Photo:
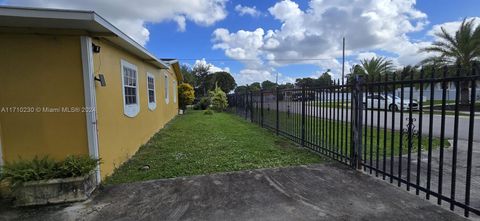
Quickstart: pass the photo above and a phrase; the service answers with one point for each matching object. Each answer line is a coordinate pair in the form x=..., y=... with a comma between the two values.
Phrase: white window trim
x=167, y=89
x=130, y=110
x=152, y=105
x=174, y=91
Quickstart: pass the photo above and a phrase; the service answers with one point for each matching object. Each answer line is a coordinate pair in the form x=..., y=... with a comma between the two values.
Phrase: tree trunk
x=464, y=93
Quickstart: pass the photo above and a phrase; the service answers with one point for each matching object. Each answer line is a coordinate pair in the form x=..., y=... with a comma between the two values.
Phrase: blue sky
x=255, y=40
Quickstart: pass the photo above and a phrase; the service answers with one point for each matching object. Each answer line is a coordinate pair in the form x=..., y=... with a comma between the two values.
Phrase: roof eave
x=86, y=16
x=100, y=20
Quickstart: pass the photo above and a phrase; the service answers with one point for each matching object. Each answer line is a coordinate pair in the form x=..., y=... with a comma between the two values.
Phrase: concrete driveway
x=317, y=192
x=460, y=175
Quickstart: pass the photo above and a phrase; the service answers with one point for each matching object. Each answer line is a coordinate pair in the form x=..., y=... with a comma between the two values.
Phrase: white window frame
x=167, y=90
x=130, y=110
x=151, y=105
x=174, y=91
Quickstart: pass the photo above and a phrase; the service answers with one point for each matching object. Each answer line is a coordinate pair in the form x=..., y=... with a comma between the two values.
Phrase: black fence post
x=357, y=109
x=251, y=106
x=470, y=138
x=261, y=108
x=277, y=123
x=245, y=106
x=303, y=116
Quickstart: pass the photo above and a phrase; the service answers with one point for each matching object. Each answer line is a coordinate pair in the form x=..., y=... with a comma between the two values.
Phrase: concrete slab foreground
x=316, y=192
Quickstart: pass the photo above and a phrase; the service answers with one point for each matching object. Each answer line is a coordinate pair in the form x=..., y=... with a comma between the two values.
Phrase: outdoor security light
x=101, y=79
x=95, y=48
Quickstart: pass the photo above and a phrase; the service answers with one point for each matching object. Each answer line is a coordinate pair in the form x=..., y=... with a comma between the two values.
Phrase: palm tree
x=462, y=48
x=375, y=67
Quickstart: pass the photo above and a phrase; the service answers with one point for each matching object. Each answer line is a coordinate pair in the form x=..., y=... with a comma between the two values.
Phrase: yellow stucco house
x=72, y=83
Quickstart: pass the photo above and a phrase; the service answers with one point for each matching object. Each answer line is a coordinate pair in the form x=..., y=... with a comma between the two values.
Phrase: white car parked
x=372, y=101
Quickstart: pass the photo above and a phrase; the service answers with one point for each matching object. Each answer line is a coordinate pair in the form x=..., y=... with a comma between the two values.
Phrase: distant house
x=72, y=83
x=450, y=91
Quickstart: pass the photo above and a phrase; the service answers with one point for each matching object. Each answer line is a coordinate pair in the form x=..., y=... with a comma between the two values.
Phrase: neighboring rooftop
x=88, y=21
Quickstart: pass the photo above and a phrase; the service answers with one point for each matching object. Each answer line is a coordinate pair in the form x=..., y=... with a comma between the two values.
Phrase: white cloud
x=366, y=55
x=213, y=68
x=132, y=16
x=252, y=75
x=245, y=10
x=316, y=34
x=451, y=27
x=247, y=76
x=242, y=45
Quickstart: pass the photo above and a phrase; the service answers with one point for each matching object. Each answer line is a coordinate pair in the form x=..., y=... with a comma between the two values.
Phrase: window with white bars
x=152, y=103
x=130, y=88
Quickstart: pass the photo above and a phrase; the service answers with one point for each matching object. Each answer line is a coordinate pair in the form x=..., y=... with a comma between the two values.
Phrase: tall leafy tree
x=285, y=86
x=461, y=48
x=268, y=85
x=188, y=76
x=240, y=89
x=305, y=82
x=224, y=80
x=201, y=72
x=324, y=80
x=255, y=86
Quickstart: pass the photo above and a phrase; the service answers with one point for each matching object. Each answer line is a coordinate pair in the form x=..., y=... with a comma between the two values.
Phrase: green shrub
x=203, y=104
x=218, y=99
x=208, y=112
x=74, y=166
x=47, y=168
x=186, y=95
x=28, y=170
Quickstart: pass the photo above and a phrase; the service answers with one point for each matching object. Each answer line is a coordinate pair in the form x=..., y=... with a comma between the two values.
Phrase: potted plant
x=42, y=181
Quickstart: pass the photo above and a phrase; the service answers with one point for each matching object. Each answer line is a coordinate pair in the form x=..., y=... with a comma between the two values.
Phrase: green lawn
x=195, y=143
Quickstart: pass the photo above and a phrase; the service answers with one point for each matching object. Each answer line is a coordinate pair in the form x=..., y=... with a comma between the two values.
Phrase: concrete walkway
x=317, y=192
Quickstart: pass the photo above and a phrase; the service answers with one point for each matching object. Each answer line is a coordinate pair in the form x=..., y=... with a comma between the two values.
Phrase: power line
x=276, y=59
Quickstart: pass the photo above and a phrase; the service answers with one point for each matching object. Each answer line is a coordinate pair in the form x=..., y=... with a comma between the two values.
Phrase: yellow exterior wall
x=119, y=136
x=41, y=71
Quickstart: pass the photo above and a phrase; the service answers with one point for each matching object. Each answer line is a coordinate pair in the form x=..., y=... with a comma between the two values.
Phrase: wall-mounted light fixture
x=95, y=48
x=101, y=79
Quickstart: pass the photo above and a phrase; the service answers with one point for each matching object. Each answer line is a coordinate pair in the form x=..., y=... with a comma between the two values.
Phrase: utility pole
x=343, y=62
x=276, y=79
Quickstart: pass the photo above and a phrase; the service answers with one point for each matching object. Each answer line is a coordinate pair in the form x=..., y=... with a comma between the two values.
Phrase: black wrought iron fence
x=382, y=127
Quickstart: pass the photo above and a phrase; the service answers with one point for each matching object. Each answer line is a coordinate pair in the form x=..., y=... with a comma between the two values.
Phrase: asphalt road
x=372, y=117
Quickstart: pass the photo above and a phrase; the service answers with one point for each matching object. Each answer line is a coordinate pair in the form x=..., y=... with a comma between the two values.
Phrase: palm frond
x=462, y=47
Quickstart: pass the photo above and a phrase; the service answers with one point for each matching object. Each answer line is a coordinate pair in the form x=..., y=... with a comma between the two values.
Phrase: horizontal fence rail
x=387, y=127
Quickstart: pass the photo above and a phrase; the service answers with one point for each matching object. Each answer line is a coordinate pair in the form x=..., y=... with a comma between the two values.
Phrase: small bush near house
x=186, y=95
x=74, y=166
x=208, y=112
x=219, y=99
x=47, y=168
x=203, y=104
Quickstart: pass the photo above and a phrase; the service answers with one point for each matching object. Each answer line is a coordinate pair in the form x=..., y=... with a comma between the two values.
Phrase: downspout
x=90, y=99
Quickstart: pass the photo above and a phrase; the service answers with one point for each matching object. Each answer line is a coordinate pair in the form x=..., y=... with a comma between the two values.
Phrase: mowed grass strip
x=336, y=135
x=194, y=144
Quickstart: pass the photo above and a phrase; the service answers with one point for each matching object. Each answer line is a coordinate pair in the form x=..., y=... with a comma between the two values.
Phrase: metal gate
x=421, y=141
